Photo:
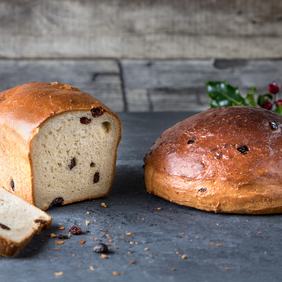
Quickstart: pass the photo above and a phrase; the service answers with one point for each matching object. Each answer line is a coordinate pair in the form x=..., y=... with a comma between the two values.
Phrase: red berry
x=75, y=230
x=267, y=105
x=278, y=102
x=273, y=88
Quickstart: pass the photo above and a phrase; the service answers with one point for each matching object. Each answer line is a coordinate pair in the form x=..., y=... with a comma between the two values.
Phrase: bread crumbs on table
x=59, y=242
x=158, y=209
x=183, y=257
x=215, y=244
x=52, y=235
x=58, y=273
x=91, y=268
x=146, y=249
x=104, y=256
x=132, y=262
x=82, y=242
x=103, y=205
x=87, y=222
x=129, y=234
x=116, y=273
x=61, y=227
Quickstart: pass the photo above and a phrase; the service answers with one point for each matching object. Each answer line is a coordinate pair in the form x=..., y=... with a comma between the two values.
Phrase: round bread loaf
x=222, y=160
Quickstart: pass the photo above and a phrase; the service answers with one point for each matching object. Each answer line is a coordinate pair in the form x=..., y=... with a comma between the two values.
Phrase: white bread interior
x=72, y=160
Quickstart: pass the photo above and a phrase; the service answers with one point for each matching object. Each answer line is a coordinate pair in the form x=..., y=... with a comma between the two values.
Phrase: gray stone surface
x=98, y=77
x=219, y=247
x=144, y=85
x=179, y=85
x=140, y=29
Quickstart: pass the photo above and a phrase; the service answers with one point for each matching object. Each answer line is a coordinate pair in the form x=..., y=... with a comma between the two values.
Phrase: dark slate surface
x=219, y=247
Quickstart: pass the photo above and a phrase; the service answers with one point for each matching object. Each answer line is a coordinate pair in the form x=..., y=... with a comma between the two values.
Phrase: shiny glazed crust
x=222, y=160
x=23, y=109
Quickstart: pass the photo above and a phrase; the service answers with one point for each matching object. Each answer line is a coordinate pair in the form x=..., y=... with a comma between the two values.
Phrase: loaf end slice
x=19, y=222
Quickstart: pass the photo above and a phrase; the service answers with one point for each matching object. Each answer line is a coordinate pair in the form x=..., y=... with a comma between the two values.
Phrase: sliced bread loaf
x=57, y=144
x=19, y=221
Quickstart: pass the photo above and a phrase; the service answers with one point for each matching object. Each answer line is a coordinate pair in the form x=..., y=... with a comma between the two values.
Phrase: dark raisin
x=12, y=184
x=72, y=163
x=96, y=112
x=202, y=189
x=92, y=164
x=96, y=177
x=57, y=202
x=243, y=149
x=39, y=220
x=273, y=125
x=218, y=155
x=75, y=230
x=190, y=141
x=63, y=236
x=101, y=248
x=5, y=227
x=85, y=120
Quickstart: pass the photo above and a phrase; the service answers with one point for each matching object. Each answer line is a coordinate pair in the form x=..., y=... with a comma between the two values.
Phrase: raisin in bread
x=19, y=222
x=58, y=145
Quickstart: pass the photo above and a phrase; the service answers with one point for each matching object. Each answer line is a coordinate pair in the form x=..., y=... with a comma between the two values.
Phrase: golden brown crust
x=24, y=108
x=30, y=104
x=222, y=160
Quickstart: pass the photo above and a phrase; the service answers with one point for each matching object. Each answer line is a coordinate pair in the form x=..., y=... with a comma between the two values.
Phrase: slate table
x=149, y=236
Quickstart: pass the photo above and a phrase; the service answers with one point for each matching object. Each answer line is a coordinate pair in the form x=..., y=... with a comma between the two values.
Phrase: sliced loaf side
x=73, y=158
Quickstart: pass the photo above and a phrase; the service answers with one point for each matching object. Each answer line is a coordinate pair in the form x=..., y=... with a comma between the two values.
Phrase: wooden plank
x=99, y=77
x=177, y=85
x=141, y=29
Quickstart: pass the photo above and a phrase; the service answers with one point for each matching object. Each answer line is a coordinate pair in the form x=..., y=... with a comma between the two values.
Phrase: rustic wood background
x=142, y=55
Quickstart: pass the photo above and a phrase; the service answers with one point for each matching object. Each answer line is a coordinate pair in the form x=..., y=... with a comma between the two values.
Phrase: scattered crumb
x=82, y=242
x=184, y=257
x=59, y=242
x=116, y=273
x=173, y=269
x=128, y=233
x=158, y=209
x=104, y=256
x=54, y=83
x=88, y=212
x=103, y=205
x=132, y=262
x=58, y=273
x=52, y=235
x=87, y=222
x=129, y=253
x=215, y=244
x=131, y=242
x=61, y=227
x=146, y=249
x=55, y=249
x=91, y=268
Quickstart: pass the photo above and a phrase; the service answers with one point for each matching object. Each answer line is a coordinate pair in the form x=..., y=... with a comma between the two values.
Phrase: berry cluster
x=269, y=101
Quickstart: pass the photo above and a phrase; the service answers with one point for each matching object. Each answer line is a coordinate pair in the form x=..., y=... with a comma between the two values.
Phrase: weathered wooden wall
x=140, y=28
x=144, y=85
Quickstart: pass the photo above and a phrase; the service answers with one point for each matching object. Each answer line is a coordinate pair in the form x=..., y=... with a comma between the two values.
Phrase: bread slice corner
x=19, y=222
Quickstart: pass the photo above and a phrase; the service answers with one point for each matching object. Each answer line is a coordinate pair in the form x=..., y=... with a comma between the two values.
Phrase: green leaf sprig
x=223, y=94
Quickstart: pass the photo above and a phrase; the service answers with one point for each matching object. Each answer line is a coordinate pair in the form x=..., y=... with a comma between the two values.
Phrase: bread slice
x=58, y=145
x=19, y=222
